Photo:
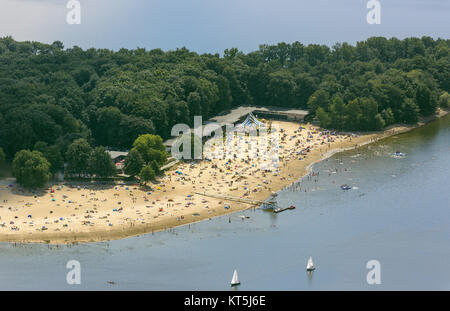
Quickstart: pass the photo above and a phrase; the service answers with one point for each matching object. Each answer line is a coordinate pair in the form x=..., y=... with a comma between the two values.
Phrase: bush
x=31, y=169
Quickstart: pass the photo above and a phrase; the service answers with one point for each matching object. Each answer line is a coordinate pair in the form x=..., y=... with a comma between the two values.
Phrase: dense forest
x=51, y=96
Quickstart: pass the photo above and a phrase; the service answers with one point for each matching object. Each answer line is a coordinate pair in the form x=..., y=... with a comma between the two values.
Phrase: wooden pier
x=279, y=210
x=236, y=199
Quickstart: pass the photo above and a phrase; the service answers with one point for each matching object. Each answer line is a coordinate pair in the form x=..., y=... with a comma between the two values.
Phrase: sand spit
x=66, y=214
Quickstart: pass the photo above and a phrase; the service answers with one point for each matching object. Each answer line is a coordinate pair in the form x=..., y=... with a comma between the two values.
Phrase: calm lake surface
x=398, y=213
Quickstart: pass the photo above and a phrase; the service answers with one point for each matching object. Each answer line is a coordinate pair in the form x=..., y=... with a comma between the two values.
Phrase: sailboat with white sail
x=310, y=265
x=235, y=279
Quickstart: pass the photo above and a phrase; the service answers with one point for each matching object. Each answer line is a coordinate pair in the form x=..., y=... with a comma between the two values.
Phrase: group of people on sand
x=240, y=174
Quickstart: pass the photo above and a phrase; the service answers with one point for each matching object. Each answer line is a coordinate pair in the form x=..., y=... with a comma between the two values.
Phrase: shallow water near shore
x=397, y=212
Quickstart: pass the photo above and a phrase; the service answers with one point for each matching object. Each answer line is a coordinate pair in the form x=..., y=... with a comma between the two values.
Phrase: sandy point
x=81, y=213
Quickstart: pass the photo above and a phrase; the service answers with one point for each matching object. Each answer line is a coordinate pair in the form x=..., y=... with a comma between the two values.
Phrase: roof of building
x=251, y=122
x=116, y=154
x=234, y=115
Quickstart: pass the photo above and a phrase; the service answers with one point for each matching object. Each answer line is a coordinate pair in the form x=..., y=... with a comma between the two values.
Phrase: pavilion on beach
x=251, y=122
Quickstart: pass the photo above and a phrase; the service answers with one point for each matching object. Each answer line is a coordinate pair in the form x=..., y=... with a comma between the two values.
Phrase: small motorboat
x=235, y=279
x=345, y=187
x=398, y=154
x=310, y=265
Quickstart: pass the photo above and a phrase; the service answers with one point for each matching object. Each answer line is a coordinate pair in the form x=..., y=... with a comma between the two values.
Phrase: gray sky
x=212, y=25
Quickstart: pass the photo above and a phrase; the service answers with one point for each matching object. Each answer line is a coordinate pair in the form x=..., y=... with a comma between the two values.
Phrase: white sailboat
x=235, y=279
x=310, y=265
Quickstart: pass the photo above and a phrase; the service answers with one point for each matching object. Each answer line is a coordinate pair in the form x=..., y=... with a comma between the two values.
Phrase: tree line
x=33, y=168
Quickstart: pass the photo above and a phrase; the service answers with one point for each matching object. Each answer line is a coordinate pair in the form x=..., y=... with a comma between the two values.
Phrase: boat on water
x=345, y=187
x=310, y=265
x=269, y=204
x=398, y=154
x=235, y=280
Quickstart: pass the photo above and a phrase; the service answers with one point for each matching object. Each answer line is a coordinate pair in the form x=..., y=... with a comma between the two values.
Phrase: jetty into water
x=236, y=199
x=282, y=209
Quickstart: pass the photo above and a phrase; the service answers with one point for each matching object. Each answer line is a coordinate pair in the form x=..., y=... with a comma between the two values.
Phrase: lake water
x=398, y=213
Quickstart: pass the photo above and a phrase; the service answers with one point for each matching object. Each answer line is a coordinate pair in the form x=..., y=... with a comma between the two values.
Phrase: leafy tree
x=78, y=156
x=133, y=163
x=379, y=122
x=444, y=100
x=388, y=116
x=157, y=155
x=305, y=87
x=195, y=103
x=130, y=128
x=280, y=89
x=101, y=164
x=410, y=111
x=426, y=100
x=354, y=115
x=155, y=167
x=54, y=157
x=323, y=117
x=320, y=98
x=108, y=121
x=369, y=110
x=337, y=113
x=52, y=154
x=31, y=169
x=151, y=148
x=147, y=174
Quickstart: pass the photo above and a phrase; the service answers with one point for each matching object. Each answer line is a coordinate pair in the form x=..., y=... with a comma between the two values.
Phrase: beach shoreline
x=290, y=172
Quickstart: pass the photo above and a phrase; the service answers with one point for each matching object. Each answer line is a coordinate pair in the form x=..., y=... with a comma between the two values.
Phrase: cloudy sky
x=214, y=25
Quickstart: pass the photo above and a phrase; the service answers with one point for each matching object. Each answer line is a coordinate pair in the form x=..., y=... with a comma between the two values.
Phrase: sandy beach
x=69, y=213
